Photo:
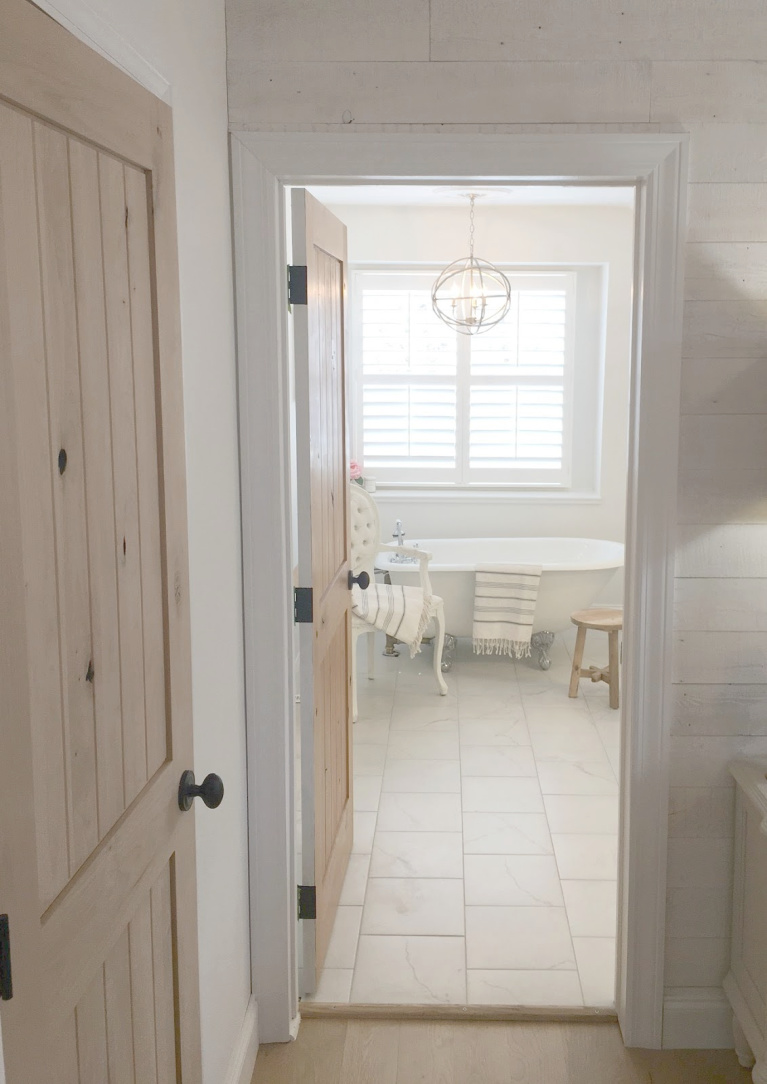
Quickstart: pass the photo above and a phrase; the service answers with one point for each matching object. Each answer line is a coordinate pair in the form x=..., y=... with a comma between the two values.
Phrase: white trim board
x=696, y=1019
x=93, y=29
x=656, y=164
x=243, y=1060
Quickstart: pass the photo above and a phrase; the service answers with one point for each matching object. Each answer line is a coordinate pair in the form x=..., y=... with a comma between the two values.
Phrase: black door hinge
x=6, y=980
x=307, y=901
x=297, y=284
x=303, y=605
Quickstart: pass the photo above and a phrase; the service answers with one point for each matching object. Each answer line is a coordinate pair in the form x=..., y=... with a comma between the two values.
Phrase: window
x=434, y=406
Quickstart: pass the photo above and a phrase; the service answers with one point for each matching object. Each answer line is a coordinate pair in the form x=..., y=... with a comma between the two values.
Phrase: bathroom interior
x=484, y=868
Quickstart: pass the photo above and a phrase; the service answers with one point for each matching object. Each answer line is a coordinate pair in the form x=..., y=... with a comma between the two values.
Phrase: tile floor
x=485, y=854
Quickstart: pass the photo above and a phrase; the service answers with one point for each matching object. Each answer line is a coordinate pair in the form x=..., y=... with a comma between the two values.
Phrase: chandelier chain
x=472, y=197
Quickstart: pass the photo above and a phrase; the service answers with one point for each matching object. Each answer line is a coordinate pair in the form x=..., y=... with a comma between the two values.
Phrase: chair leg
x=355, y=640
x=438, y=644
x=371, y=642
x=614, y=666
x=575, y=677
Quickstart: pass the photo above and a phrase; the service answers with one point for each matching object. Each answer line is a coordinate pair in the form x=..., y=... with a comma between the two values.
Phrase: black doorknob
x=363, y=580
x=211, y=790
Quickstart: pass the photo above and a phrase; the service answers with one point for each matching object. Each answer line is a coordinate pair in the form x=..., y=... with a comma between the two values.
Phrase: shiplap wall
x=484, y=65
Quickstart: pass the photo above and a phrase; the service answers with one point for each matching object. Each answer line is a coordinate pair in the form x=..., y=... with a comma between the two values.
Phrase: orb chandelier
x=471, y=295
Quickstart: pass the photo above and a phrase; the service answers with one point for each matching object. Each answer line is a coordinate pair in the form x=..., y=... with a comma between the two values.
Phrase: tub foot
x=390, y=651
x=541, y=642
x=448, y=652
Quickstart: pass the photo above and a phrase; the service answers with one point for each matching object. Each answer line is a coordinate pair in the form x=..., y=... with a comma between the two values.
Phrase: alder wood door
x=97, y=868
x=319, y=243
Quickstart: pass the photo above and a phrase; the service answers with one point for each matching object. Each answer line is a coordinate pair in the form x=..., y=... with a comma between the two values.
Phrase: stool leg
x=575, y=677
x=614, y=667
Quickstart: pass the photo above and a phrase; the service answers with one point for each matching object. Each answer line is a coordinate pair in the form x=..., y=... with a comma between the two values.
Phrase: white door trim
x=263, y=164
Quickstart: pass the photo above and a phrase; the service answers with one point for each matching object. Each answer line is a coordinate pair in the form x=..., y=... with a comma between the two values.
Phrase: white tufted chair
x=365, y=536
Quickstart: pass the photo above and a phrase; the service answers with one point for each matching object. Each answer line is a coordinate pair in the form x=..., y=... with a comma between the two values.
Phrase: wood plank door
x=319, y=244
x=97, y=867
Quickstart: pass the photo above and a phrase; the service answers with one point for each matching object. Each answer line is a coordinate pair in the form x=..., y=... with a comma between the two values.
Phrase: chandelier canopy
x=471, y=295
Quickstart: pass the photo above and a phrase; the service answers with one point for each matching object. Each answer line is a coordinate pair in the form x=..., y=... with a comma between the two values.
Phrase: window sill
x=417, y=495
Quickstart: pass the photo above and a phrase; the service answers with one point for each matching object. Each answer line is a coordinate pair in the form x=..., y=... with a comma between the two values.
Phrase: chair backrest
x=364, y=530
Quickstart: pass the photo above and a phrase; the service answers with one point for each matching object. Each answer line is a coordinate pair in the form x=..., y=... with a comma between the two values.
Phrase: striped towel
x=401, y=612
x=504, y=606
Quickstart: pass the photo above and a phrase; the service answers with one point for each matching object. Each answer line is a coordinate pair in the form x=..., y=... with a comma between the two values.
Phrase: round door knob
x=211, y=790
x=363, y=580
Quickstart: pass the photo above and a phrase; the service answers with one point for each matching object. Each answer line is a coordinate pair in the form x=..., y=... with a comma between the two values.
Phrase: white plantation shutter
x=433, y=406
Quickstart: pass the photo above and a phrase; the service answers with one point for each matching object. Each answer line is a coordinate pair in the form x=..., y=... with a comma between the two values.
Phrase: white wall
x=527, y=235
x=445, y=65
x=184, y=41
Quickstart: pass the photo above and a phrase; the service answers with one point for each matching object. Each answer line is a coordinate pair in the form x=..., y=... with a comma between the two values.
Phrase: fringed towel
x=401, y=612
x=504, y=607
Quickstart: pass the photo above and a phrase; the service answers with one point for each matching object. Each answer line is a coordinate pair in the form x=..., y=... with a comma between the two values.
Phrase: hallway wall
x=487, y=66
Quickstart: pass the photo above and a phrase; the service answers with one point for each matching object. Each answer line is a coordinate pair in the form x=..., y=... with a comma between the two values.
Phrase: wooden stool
x=611, y=622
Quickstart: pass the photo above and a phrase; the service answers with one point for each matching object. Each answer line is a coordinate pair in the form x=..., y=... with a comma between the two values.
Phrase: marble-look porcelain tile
x=367, y=793
x=417, y=854
x=591, y=907
x=420, y=813
x=404, y=746
x=334, y=987
x=412, y=905
x=364, y=828
x=372, y=732
x=583, y=777
x=410, y=971
x=551, y=692
x=494, y=732
x=596, y=968
x=538, y=989
x=498, y=760
x=595, y=814
x=512, y=880
x=422, y=776
x=369, y=759
x=356, y=880
x=499, y=795
x=506, y=833
x=504, y=706
x=586, y=857
x=518, y=938
x=554, y=719
x=413, y=713
x=568, y=743
x=405, y=723
x=343, y=940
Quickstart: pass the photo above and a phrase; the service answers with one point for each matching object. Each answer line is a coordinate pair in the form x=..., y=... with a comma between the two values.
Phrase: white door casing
x=264, y=164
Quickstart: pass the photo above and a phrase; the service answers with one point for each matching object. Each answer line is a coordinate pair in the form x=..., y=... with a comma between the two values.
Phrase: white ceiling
x=429, y=195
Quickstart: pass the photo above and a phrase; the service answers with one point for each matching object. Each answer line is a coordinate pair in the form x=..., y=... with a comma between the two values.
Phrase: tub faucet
x=398, y=533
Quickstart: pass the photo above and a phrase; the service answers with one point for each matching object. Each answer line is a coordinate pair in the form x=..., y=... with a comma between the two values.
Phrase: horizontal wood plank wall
x=699, y=65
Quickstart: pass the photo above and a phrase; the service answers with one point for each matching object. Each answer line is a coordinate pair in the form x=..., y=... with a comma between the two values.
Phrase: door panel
x=319, y=241
x=96, y=859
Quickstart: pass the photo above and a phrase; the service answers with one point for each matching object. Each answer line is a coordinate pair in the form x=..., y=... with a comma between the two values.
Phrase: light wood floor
x=384, y=1052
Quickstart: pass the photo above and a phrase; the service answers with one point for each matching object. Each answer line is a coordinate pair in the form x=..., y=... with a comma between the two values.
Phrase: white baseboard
x=696, y=1019
x=243, y=1061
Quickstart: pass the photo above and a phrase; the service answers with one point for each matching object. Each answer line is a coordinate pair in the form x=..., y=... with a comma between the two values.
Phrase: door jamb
x=263, y=164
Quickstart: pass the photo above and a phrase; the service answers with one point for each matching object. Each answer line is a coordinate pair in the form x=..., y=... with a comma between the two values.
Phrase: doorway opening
x=264, y=165
x=484, y=863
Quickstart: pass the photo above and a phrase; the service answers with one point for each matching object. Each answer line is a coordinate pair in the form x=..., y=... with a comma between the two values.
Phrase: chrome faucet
x=398, y=533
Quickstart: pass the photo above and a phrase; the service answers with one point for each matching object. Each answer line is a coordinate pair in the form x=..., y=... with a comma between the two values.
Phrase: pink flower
x=355, y=470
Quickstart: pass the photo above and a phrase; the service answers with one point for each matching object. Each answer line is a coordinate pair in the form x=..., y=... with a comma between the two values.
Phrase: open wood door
x=97, y=875
x=319, y=245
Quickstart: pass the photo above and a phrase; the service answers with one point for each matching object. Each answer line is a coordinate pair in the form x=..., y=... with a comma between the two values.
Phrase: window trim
x=511, y=480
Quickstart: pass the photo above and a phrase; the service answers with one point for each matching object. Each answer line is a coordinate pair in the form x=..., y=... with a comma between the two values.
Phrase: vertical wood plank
x=92, y=1033
x=119, y=1012
x=123, y=416
x=62, y=1058
x=26, y=347
x=164, y=992
x=99, y=496
x=144, y=376
x=142, y=994
x=64, y=397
